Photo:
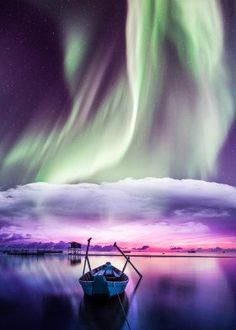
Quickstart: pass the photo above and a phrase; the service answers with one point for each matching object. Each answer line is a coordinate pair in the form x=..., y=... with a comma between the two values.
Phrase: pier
x=26, y=252
x=74, y=249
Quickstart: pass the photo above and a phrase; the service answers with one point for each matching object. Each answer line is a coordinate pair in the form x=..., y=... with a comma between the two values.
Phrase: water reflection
x=100, y=314
x=174, y=286
x=58, y=312
x=44, y=293
x=74, y=259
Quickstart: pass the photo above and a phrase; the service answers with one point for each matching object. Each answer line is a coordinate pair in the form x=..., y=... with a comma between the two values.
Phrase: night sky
x=100, y=91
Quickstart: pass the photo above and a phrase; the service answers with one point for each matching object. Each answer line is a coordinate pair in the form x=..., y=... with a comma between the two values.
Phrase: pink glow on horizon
x=158, y=236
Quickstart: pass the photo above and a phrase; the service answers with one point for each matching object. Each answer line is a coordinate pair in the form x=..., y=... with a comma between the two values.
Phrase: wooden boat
x=106, y=279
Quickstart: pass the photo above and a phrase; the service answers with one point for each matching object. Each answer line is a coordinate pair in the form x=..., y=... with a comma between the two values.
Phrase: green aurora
x=167, y=114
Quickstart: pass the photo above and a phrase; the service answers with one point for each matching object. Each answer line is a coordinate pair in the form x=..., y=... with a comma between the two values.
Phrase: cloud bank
x=152, y=209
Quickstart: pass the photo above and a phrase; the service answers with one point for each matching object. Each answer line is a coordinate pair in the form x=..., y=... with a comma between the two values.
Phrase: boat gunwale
x=108, y=280
x=116, y=280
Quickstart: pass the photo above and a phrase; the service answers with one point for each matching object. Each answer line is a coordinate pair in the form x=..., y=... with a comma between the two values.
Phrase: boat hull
x=100, y=286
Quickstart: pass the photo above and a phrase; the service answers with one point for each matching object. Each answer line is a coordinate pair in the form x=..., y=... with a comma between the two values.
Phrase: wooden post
x=128, y=259
x=86, y=257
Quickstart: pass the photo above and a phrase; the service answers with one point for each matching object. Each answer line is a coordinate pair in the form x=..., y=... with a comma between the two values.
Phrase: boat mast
x=86, y=257
x=127, y=261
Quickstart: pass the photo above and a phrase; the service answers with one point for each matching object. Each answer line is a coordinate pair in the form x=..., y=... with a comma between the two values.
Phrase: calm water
x=175, y=293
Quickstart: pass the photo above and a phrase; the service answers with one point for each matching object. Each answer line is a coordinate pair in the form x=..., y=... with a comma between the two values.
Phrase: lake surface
x=175, y=293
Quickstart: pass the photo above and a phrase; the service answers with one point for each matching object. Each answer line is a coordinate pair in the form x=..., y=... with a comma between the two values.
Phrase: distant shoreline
x=166, y=255
x=157, y=255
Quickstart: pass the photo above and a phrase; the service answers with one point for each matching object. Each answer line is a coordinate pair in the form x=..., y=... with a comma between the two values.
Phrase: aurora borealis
x=145, y=92
x=101, y=91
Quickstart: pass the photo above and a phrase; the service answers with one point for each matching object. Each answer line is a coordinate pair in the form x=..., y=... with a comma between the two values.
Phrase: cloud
x=105, y=248
x=148, y=197
x=4, y=223
x=127, y=208
x=202, y=213
x=11, y=237
x=143, y=248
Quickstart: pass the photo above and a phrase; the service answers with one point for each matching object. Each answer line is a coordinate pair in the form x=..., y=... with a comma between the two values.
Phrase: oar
x=128, y=260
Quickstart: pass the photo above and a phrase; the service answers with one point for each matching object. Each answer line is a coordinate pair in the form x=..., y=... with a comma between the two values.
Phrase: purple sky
x=154, y=212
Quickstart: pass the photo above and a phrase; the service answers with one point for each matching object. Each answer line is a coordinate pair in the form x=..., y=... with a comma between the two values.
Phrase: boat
x=105, y=280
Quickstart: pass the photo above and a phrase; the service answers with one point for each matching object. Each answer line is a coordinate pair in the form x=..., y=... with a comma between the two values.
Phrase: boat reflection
x=110, y=313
